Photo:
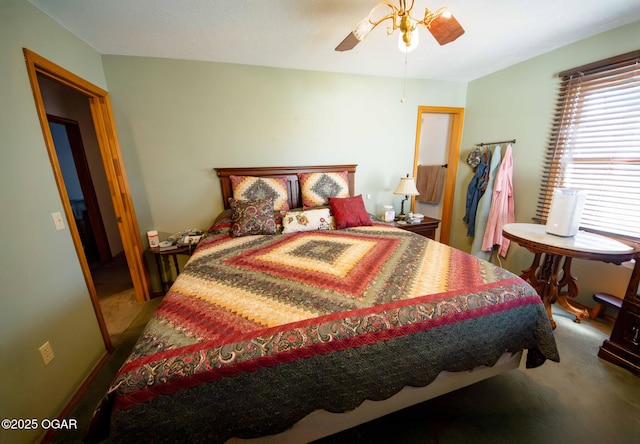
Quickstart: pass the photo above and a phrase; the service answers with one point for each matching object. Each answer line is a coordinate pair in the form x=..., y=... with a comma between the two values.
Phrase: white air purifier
x=566, y=211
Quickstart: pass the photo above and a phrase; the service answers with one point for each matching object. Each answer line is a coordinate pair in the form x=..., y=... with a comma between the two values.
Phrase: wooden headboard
x=291, y=173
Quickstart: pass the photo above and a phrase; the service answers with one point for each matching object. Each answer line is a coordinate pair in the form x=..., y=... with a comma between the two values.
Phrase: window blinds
x=595, y=144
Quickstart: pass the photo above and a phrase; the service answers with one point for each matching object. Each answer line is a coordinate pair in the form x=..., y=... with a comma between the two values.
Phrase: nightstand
x=165, y=282
x=426, y=228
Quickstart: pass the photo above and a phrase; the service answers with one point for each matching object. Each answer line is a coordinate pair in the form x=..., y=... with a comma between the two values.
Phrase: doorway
x=438, y=137
x=109, y=270
x=101, y=118
x=76, y=173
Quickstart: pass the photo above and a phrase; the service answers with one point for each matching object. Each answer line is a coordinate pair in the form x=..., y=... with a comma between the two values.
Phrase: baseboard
x=77, y=395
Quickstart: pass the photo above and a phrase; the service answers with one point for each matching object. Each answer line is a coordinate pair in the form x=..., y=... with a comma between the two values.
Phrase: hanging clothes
x=430, y=183
x=502, y=209
x=484, y=205
x=475, y=190
x=473, y=159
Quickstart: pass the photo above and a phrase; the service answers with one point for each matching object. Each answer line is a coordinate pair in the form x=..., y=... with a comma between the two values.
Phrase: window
x=595, y=144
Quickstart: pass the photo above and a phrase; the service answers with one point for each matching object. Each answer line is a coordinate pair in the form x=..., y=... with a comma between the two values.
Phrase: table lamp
x=406, y=187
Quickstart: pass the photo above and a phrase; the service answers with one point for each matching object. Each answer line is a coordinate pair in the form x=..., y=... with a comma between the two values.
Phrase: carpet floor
x=117, y=297
x=581, y=399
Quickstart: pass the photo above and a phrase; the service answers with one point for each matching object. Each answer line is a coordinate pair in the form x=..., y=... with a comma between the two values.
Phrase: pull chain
x=404, y=87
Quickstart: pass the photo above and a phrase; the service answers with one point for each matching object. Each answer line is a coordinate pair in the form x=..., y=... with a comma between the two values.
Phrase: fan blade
x=362, y=29
x=348, y=43
x=445, y=30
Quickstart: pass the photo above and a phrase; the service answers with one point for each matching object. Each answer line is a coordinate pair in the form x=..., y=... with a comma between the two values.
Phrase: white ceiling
x=302, y=34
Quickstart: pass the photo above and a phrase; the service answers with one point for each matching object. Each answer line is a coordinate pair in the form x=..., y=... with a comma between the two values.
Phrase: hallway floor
x=117, y=297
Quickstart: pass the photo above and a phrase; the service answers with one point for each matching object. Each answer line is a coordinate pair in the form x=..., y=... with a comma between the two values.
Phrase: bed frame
x=321, y=423
x=291, y=173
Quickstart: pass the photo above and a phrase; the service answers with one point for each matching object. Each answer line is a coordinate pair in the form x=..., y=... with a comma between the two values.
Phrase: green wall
x=517, y=103
x=177, y=120
x=42, y=289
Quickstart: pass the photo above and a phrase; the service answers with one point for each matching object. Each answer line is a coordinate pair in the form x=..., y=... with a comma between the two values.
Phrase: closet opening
x=438, y=137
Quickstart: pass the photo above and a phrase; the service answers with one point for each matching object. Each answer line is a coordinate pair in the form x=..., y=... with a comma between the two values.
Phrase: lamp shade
x=414, y=40
x=406, y=187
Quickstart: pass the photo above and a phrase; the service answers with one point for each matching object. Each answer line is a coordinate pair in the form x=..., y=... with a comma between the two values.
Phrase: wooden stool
x=603, y=300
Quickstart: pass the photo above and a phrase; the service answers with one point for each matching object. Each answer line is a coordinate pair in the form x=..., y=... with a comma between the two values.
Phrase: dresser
x=623, y=347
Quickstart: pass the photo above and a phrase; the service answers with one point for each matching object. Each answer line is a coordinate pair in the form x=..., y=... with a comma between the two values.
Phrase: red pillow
x=349, y=212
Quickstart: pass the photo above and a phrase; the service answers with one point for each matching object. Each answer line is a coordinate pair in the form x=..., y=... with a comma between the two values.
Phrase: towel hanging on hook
x=430, y=183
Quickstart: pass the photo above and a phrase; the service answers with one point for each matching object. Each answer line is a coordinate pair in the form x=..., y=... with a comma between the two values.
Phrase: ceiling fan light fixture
x=442, y=25
x=406, y=42
x=413, y=41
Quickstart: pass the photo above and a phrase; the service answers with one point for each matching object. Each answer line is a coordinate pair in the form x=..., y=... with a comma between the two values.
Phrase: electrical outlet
x=57, y=220
x=47, y=352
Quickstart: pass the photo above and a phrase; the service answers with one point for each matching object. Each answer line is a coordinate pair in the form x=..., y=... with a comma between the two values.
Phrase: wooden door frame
x=457, y=117
x=102, y=115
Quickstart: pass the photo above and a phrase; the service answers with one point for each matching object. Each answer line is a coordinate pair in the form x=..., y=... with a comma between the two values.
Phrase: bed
x=298, y=334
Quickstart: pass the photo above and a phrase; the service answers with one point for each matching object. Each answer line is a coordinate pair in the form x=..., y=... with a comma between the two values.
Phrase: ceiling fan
x=442, y=25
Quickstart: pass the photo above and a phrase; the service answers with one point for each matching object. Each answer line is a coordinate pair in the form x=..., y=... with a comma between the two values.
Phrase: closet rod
x=495, y=143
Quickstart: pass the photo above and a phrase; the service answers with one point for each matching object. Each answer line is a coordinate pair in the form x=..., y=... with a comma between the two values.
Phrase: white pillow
x=307, y=220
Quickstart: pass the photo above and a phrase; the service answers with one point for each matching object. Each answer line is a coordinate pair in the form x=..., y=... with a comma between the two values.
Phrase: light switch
x=57, y=220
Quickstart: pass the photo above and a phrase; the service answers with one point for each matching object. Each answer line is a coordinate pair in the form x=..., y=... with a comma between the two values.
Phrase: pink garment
x=502, y=206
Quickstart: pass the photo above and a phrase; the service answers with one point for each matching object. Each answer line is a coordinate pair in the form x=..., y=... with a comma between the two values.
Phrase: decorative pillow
x=349, y=212
x=257, y=188
x=252, y=217
x=309, y=220
x=316, y=188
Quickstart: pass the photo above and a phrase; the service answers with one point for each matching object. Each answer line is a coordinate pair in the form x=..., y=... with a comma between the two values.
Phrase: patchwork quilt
x=259, y=331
